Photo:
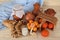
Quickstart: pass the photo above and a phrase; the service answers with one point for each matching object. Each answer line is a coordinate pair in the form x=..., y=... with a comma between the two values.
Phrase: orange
x=51, y=25
x=28, y=24
x=44, y=25
x=45, y=33
x=32, y=25
x=35, y=29
x=29, y=27
x=30, y=21
x=38, y=26
x=36, y=23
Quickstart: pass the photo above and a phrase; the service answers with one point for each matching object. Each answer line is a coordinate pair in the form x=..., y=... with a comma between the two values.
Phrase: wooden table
x=54, y=35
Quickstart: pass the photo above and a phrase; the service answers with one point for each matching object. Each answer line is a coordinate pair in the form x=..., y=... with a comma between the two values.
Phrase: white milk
x=24, y=31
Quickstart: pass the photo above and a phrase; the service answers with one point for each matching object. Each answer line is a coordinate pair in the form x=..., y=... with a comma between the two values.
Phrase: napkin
x=6, y=9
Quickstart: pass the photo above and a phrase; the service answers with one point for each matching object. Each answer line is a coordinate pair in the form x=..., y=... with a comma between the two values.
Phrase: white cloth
x=6, y=8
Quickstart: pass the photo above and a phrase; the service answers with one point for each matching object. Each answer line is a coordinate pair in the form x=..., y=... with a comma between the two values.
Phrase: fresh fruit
x=28, y=24
x=35, y=29
x=45, y=33
x=30, y=21
x=44, y=25
x=33, y=24
x=38, y=26
x=29, y=27
x=36, y=23
x=50, y=26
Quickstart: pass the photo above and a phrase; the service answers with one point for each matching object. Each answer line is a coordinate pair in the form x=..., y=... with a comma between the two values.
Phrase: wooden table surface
x=54, y=35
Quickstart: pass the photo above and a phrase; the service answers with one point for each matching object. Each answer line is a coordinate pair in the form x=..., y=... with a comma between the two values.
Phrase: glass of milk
x=25, y=31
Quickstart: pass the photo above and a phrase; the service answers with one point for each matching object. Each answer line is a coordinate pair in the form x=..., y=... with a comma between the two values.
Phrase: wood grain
x=54, y=35
x=52, y=2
